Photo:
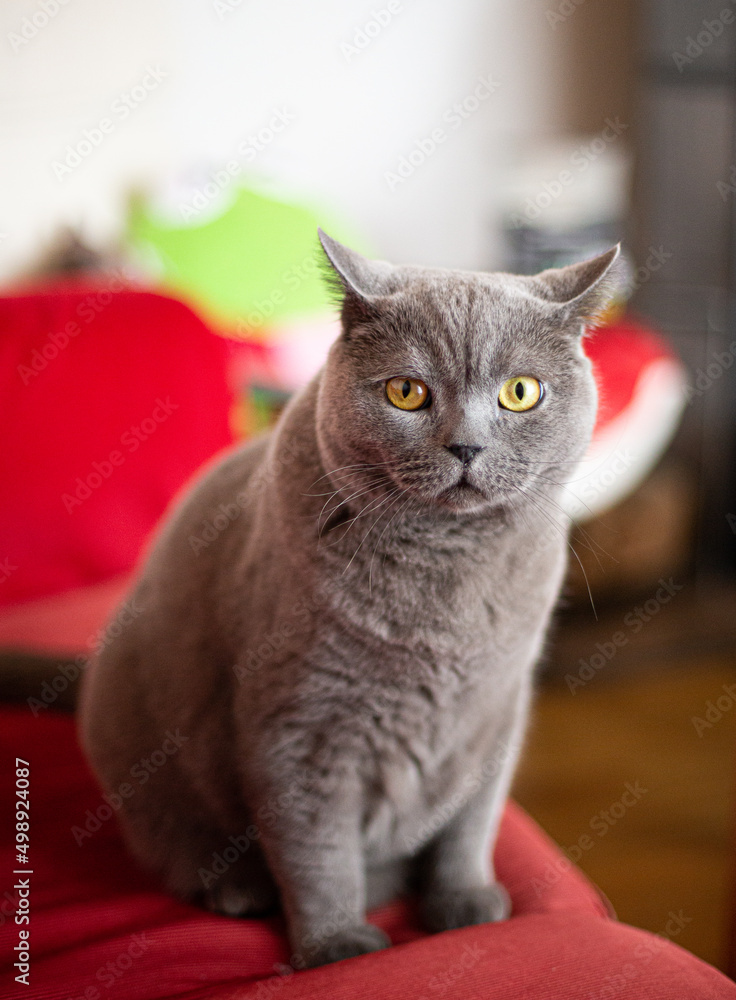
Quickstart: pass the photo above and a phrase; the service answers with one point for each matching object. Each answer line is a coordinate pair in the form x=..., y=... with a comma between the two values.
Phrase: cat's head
x=464, y=390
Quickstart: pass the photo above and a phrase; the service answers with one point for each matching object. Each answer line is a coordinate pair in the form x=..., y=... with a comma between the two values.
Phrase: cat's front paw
x=448, y=909
x=346, y=943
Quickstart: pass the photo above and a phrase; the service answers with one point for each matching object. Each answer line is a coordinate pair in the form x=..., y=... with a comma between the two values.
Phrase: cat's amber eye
x=520, y=393
x=407, y=393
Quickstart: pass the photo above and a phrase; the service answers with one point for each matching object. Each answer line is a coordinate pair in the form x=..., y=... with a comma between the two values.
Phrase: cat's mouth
x=463, y=493
x=464, y=483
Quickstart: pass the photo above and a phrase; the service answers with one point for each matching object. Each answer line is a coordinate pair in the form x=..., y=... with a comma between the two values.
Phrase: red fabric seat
x=100, y=927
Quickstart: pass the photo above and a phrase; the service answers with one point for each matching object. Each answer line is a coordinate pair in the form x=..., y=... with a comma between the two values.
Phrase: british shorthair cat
x=344, y=663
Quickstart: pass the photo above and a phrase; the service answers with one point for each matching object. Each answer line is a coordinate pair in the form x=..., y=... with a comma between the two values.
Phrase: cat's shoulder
x=229, y=472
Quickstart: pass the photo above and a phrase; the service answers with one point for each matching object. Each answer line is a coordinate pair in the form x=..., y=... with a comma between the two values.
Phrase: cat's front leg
x=457, y=880
x=315, y=855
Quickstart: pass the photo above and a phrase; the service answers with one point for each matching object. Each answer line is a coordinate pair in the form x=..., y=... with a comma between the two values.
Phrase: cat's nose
x=465, y=452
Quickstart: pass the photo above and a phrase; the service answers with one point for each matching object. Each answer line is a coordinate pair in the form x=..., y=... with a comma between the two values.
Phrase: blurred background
x=165, y=168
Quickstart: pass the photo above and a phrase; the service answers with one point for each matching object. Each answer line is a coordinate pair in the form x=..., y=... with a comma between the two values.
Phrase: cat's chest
x=422, y=767
x=463, y=623
x=469, y=648
x=456, y=592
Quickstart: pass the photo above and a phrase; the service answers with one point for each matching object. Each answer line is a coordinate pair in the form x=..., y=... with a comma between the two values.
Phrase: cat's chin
x=464, y=498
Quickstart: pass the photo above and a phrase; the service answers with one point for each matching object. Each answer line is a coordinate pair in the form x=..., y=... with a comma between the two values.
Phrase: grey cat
x=322, y=700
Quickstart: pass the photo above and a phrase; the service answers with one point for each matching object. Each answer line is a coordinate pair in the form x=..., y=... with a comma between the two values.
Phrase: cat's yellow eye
x=520, y=393
x=407, y=393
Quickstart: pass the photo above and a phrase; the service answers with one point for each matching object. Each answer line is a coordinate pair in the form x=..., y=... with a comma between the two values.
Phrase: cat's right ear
x=582, y=291
x=354, y=280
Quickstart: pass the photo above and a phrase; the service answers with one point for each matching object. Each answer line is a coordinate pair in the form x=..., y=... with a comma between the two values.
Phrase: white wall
x=229, y=65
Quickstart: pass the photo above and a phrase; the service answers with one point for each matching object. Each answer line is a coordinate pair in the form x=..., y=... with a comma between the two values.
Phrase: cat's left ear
x=353, y=275
x=582, y=290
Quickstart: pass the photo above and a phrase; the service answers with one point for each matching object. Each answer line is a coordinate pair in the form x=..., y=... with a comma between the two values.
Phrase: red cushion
x=109, y=400
x=620, y=353
x=63, y=624
x=100, y=925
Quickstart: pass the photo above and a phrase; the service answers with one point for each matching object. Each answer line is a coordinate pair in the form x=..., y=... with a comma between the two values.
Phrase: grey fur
x=341, y=634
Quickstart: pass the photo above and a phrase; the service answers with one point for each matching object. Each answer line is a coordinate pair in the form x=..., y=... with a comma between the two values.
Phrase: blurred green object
x=252, y=267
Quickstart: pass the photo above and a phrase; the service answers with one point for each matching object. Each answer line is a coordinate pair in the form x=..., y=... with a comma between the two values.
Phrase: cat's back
x=138, y=678
x=178, y=581
x=222, y=495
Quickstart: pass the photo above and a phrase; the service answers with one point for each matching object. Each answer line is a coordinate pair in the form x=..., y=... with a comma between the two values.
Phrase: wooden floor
x=669, y=847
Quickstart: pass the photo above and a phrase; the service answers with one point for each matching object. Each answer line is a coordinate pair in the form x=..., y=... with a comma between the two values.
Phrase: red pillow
x=620, y=353
x=110, y=399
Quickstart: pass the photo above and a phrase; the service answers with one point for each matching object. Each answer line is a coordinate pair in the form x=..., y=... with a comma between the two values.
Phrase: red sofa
x=97, y=923
x=80, y=497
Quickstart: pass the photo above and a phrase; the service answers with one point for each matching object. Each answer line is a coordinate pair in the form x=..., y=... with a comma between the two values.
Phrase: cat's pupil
x=519, y=390
x=406, y=388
